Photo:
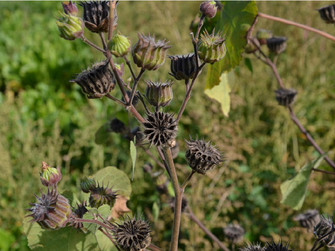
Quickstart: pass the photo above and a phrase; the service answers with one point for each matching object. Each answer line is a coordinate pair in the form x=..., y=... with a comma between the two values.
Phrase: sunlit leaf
x=294, y=190
x=133, y=156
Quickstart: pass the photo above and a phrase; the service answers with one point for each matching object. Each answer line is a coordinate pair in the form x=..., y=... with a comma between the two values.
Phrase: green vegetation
x=43, y=117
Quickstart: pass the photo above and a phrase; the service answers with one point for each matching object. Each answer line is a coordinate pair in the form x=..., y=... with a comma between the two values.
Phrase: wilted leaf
x=120, y=207
x=294, y=190
x=235, y=16
x=133, y=156
x=221, y=92
x=114, y=178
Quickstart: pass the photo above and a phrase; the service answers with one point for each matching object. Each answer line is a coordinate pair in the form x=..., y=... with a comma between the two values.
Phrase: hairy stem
x=85, y=40
x=305, y=27
x=94, y=222
x=209, y=233
x=119, y=102
x=177, y=201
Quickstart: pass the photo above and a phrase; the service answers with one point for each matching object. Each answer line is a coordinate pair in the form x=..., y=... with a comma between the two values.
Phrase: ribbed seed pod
x=160, y=129
x=70, y=27
x=100, y=195
x=276, y=44
x=324, y=231
x=96, y=15
x=234, y=233
x=183, y=66
x=132, y=234
x=211, y=48
x=50, y=176
x=208, y=8
x=148, y=54
x=272, y=246
x=252, y=247
x=97, y=81
x=308, y=219
x=119, y=45
x=286, y=97
x=262, y=35
x=159, y=94
x=202, y=156
x=327, y=13
x=51, y=211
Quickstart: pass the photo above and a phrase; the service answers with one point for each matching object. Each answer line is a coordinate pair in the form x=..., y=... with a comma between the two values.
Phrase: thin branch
x=111, y=19
x=119, y=102
x=209, y=233
x=136, y=81
x=154, y=248
x=323, y=171
x=309, y=137
x=305, y=27
x=94, y=222
x=85, y=40
x=182, y=188
x=153, y=157
x=200, y=24
x=104, y=44
x=129, y=66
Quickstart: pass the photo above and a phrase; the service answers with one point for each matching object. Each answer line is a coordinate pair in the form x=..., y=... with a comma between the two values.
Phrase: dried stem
x=209, y=233
x=177, y=201
x=323, y=171
x=182, y=188
x=119, y=102
x=305, y=27
x=85, y=40
x=136, y=81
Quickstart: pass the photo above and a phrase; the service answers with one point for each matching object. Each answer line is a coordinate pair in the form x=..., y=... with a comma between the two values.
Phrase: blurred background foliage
x=43, y=117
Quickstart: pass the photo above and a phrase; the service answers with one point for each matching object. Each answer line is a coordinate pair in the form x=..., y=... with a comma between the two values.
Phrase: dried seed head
x=119, y=45
x=159, y=94
x=160, y=129
x=252, y=247
x=117, y=126
x=70, y=27
x=183, y=66
x=50, y=176
x=234, y=233
x=78, y=212
x=286, y=97
x=87, y=185
x=132, y=234
x=308, y=219
x=327, y=13
x=184, y=204
x=276, y=44
x=324, y=232
x=208, y=8
x=96, y=81
x=148, y=54
x=101, y=195
x=262, y=35
x=202, y=156
x=211, y=48
x=51, y=211
x=96, y=15
x=277, y=246
x=70, y=8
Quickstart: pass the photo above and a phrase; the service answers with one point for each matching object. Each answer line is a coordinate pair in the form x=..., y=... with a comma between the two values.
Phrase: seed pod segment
x=211, y=48
x=159, y=94
x=183, y=66
x=70, y=27
x=327, y=13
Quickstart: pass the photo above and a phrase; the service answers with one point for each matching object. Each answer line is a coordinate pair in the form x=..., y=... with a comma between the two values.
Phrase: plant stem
x=136, y=81
x=94, y=222
x=153, y=157
x=309, y=137
x=154, y=248
x=104, y=44
x=119, y=102
x=200, y=24
x=111, y=19
x=164, y=161
x=323, y=171
x=129, y=66
x=85, y=40
x=209, y=233
x=177, y=201
x=305, y=27
x=182, y=188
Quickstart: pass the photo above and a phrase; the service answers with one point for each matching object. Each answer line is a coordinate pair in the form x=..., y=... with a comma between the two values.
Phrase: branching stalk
x=85, y=40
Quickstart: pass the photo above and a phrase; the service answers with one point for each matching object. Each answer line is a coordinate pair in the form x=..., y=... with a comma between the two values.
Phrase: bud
x=211, y=48
x=132, y=234
x=51, y=211
x=50, y=176
x=276, y=246
x=308, y=219
x=208, y=8
x=119, y=45
x=87, y=185
x=262, y=35
x=286, y=97
x=183, y=66
x=234, y=233
x=276, y=44
x=252, y=247
x=159, y=94
x=327, y=13
x=97, y=81
x=101, y=195
x=251, y=47
x=70, y=8
x=96, y=15
x=148, y=54
x=70, y=27
x=202, y=156
x=160, y=128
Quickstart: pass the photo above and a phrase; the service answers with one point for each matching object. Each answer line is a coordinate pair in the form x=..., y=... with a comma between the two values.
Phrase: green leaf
x=133, y=156
x=235, y=16
x=155, y=211
x=114, y=177
x=294, y=190
x=103, y=136
x=104, y=211
x=65, y=239
x=221, y=92
x=248, y=64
